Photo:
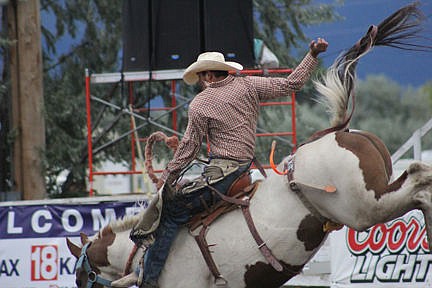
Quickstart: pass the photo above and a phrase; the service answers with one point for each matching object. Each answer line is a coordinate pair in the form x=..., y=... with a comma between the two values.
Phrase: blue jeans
x=175, y=213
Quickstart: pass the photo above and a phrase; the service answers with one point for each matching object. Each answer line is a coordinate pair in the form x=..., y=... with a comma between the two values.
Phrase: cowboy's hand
x=318, y=46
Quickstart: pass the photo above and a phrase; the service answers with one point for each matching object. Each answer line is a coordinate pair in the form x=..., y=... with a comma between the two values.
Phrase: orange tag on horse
x=330, y=189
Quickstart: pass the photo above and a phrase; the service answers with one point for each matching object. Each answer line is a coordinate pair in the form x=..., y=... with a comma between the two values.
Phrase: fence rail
x=414, y=141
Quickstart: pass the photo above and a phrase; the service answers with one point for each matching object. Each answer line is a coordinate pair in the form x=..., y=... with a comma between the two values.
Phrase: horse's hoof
x=126, y=281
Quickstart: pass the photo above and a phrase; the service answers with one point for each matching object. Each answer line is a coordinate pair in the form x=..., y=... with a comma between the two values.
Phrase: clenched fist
x=318, y=46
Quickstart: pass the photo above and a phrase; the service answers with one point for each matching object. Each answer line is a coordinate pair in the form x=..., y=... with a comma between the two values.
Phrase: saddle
x=240, y=187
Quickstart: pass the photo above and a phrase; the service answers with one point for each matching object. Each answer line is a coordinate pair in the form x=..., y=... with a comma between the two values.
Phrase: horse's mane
x=124, y=223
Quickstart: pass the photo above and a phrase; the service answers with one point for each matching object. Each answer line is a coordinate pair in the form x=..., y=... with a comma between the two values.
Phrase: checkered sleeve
x=269, y=88
x=189, y=145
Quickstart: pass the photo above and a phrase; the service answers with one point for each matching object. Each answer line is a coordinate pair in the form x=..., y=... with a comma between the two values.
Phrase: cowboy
x=226, y=113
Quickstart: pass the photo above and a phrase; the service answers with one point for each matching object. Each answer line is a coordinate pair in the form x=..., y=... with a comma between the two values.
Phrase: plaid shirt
x=227, y=112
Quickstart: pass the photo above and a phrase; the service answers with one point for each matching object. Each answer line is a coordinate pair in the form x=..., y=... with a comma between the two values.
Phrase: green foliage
x=5, y=134
x=426, y=89
x=95, y=28
x=5, y=149
x=279, y=24
x=310, y=118
x=390, y=111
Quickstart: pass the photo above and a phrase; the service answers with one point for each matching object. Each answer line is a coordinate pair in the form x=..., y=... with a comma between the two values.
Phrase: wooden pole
x=24, y=28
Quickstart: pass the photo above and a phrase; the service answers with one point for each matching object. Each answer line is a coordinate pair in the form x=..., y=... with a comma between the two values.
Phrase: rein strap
x=93, y=277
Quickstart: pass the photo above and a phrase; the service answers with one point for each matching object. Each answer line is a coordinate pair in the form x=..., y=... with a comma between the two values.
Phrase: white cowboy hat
x=208, y=61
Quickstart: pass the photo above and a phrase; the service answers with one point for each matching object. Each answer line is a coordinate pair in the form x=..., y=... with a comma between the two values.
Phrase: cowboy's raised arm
x=275, y=87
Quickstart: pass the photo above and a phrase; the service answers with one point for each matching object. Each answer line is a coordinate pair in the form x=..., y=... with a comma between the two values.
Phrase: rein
x=93, y=277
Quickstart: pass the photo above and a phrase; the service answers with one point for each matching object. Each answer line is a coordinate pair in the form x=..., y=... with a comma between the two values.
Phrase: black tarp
x=169, y=34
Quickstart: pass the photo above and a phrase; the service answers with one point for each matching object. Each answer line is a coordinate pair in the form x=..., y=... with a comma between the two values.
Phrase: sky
x=408, y=68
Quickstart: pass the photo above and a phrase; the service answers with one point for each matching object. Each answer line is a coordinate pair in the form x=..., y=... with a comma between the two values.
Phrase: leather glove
x=318, y=46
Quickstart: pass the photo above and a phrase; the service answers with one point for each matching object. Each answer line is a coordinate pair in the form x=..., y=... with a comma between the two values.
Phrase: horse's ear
x=74, y=249
x=84, y=238
x=107, y=230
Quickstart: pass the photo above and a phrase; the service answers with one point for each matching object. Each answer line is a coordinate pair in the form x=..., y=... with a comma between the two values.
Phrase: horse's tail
x=337, y=86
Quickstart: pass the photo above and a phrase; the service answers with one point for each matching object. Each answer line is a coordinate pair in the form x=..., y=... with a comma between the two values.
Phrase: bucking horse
x=339, y=176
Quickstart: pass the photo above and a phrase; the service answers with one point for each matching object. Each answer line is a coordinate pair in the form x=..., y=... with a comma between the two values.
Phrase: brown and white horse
x=289, y=211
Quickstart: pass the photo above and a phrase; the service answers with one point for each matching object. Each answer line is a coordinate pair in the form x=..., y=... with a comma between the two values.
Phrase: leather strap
x=297, y=189
x=204, y=247
x=93, y=278
x=128, y=266
x=232, y=200
x=259, y=167
x=262, y=246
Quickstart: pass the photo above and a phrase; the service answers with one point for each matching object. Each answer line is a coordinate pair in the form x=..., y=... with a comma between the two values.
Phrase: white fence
x=415, y=142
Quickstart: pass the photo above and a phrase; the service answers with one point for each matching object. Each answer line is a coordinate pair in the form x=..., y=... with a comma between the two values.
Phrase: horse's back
x=345, y=159
x=379, y=146
x=374, y=157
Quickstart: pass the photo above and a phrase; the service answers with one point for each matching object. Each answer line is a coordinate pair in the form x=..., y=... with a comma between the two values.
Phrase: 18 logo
x=44, y=262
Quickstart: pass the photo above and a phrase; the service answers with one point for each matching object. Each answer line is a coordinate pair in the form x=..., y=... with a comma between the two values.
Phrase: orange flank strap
x=272, y=164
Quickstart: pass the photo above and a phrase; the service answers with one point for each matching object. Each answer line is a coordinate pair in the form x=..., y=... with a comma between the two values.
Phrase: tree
x=94, y=28
x=73, y=159
x=390, y=111
x=427, y=90
x=280, y=24
x=5, y=151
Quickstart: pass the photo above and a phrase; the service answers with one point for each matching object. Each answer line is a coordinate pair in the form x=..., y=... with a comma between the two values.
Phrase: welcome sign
x=33, y=250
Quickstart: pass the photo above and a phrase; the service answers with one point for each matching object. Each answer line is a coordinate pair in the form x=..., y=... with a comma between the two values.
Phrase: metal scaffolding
x=130, y=78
